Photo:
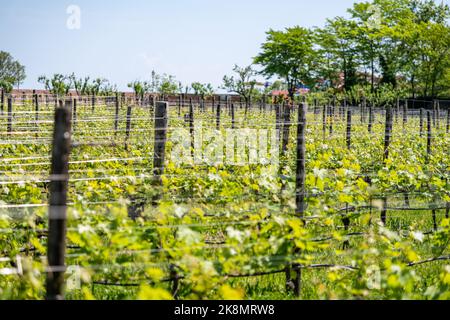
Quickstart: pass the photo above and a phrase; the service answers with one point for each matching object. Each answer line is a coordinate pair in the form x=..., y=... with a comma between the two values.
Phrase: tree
x=108, y=89
x=81, y=85
x=11, y=71
x=164, y=84
x=339, y=39
x=155, y=82
x=435, y=50
x=167, y=85
x=429, y=11
x=202, y=89
x=390, y=48
x=327, y=71
x=6, y=86
x=368, y=23
x=95, y=88
x=244, y=83
x=140, y=88
x=58, y=84
x=289, y=55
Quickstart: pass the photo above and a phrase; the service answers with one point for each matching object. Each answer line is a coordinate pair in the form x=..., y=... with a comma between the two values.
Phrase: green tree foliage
x=162, y=83
x=243, y=83
x=398, y=43
x=6, y=86
x=97, y=86
x=288, y=55
x=167, y=85
x=81, y=85
x=58, y=84
x=140, y=88
x=338, y=41
x=202, y=89
x=11, y=71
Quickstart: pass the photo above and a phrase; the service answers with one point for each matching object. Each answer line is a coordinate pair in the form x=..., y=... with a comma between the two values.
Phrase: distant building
x=285, y=93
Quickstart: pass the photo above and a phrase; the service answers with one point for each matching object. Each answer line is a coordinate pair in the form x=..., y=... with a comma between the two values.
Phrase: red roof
x=286, y=93
x=280, y=93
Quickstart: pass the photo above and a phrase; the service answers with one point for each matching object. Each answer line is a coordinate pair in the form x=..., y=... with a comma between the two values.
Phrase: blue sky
x=195, y=40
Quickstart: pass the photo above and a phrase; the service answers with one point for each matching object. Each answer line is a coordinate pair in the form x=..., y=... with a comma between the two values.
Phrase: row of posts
x=59, y=175
x=59, y=178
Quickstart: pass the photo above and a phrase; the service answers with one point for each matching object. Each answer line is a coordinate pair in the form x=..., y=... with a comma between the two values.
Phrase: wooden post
x=285, y=139
x=36, y=107
x=218, y=117
x=128, y=127
x=397, y=107
x=387, y=132
x=300, y=173
x=447, y=210
x=2, y=102
x=331, y=110
x=369, y=127
x=278, y=121
x=383, y=214
x=363, y=109
x=433, y=214
x=300, y=182
x=286, y=127
x=176, y=281
x=438, y=115
x=9, y=125
x=349, y=129
x=116, y=116
x=448, y=120
x=324, y=120
x=341, y=109
x=421, y=122
x=387, y=142
x=434, y=112
x=93, y=103
x=191, y=127
x=405, y=114
x=315, y=108
x=74, y=114
x=160, y=140
x=232, y=116
x=428, y=135
x=59, y=177
x=345, y=107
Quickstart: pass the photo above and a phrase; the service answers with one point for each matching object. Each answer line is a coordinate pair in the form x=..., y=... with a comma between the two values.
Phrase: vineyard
x=113, y=199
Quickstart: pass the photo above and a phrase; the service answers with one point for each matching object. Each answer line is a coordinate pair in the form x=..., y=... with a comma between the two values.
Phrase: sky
x=122, y=41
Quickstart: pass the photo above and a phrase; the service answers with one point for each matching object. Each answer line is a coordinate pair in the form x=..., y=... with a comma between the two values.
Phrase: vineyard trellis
x=72, y=124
